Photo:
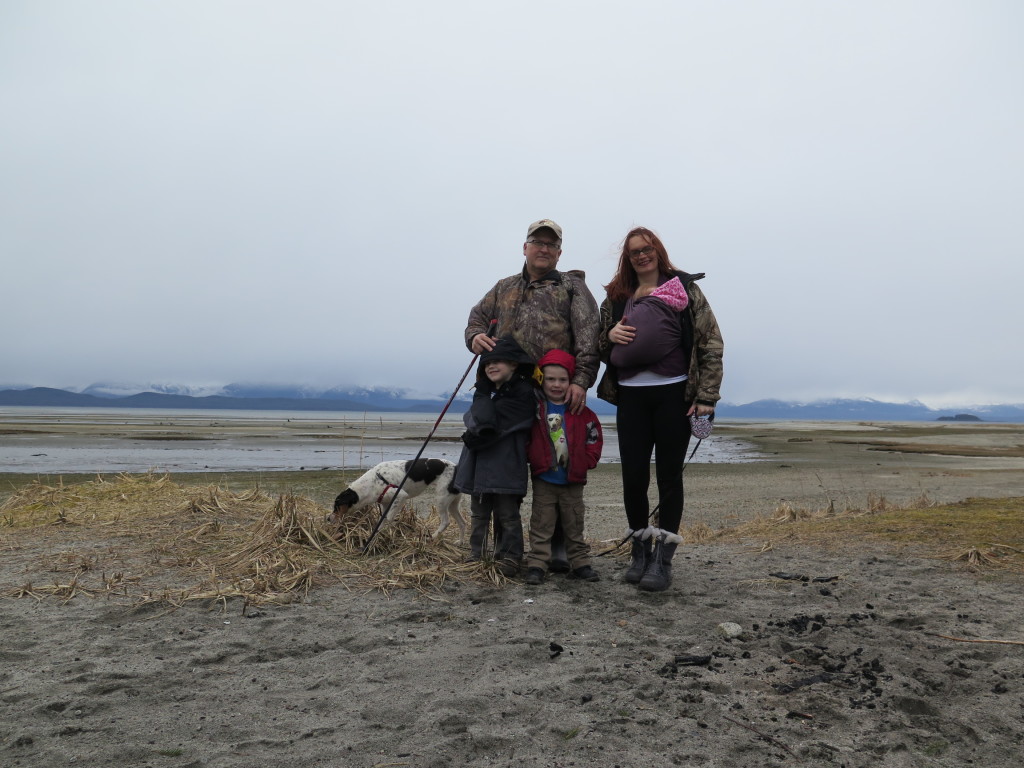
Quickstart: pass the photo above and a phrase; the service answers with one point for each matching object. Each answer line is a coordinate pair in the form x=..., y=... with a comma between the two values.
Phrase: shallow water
x=70, y=440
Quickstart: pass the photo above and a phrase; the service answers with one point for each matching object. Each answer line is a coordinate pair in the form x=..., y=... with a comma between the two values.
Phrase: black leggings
x=653, y=419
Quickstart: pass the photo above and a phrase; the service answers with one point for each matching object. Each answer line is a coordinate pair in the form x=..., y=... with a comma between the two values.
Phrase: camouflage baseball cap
x=542, y=224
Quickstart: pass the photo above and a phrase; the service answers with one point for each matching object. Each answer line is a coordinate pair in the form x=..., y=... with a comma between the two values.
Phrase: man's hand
x=482, y=343
x=577, y=398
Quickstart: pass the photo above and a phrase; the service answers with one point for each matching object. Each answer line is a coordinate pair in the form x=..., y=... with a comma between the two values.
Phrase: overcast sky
x=317, y=192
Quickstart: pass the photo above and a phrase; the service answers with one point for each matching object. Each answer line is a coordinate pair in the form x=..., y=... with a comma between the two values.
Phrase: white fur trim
x=668, y=537
x=644, y=534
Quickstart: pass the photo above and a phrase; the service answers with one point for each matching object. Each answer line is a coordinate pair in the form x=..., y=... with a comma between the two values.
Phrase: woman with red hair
x=663, y=353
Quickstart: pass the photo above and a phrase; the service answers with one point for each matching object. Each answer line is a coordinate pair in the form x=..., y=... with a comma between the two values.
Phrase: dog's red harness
x=387, y=487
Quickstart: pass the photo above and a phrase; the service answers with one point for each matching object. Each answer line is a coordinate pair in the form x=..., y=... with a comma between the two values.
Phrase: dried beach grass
x=786, y=513
x=697, y=533
x=961, y=532
x=147, y=539
x=976, y=559
x=101, y=501
x=768, y=584
x=878, y=504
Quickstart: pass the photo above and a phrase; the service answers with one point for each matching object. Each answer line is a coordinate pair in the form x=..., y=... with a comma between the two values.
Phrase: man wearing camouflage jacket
x=542, y=309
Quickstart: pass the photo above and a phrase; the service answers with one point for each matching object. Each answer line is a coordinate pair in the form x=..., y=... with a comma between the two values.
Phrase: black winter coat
x=497, y=432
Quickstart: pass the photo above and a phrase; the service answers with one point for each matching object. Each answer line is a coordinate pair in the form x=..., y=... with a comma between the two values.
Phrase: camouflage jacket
x=704, y=379
x=556, y=312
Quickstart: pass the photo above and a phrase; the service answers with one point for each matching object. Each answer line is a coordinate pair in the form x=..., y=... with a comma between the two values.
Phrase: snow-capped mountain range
x=232, y=396
x=290, y=391
x=306, y=398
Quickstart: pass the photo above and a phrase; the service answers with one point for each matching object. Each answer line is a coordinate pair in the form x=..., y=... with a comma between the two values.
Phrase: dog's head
x=554, y=422
x=345, y=501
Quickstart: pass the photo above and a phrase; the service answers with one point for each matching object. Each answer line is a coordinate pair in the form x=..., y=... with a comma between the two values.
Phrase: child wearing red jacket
x=563, y=448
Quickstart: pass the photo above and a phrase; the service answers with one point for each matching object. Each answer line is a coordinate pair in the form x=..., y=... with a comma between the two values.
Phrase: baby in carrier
x=658, y=310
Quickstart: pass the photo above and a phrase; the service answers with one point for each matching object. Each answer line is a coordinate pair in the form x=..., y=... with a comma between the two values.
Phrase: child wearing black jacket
x=493, y=466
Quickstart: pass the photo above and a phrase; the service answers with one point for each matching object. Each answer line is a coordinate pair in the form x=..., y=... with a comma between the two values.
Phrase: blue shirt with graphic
x=556, y=418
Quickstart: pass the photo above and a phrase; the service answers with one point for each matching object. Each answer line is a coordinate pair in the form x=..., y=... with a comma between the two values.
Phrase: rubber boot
x=480, y=526
x=641, y=555
x=508, y=550
x=477, y=538
x=658, y=575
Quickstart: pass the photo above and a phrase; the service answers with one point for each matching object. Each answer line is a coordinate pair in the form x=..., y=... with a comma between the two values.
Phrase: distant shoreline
x=52, y=441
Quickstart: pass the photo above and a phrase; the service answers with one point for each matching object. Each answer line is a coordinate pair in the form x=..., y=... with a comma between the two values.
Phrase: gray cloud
x=318, y=192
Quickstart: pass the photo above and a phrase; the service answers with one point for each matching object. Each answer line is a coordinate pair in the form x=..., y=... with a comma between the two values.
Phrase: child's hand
x=478, y=439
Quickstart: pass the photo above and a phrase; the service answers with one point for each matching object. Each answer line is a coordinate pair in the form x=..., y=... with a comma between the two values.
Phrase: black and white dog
x=378, y=486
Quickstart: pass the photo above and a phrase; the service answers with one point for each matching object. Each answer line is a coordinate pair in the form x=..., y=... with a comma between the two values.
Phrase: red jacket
x=583, y=435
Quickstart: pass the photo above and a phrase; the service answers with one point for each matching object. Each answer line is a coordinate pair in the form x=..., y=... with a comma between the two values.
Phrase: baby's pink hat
x=673, y=294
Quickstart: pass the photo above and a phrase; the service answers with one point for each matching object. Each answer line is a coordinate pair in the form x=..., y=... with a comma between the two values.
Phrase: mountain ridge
x=378, y=399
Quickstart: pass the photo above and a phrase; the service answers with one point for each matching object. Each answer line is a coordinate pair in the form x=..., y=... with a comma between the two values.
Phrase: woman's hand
x=621, y=333
x=701, y=410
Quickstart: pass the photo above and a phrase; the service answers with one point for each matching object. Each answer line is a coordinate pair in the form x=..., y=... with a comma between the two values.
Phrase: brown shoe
x=586, y=573
x=508, y=568
x=534, y=576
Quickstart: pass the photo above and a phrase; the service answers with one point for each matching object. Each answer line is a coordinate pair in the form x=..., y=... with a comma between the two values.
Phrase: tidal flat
x=787, y=637
x=746, y=468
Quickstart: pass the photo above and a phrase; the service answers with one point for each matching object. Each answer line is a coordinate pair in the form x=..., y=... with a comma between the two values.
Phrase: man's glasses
x=543, y=244
x=647, y=250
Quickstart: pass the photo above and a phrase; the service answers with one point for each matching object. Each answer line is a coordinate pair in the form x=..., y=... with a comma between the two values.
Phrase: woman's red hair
x=625, y=282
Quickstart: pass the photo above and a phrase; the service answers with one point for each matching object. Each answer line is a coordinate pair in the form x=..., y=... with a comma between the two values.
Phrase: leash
x=384, y=515
x=656, y=508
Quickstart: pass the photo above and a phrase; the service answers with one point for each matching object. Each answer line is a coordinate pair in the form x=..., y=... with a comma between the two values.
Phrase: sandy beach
x=853, y=652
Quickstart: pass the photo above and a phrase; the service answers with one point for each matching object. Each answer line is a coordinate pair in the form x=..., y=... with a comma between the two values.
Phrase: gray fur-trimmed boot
x=641, y=554
x=658, y=575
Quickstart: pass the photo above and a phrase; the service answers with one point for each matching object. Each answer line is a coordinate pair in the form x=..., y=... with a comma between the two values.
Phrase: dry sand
x=847, y=671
